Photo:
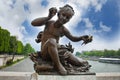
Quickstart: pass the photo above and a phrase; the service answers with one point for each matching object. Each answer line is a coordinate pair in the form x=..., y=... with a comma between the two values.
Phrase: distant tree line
x=100, y=53
x=10, y=45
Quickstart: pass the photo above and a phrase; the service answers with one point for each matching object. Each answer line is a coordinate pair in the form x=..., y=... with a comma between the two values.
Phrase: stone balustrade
x=34, y=76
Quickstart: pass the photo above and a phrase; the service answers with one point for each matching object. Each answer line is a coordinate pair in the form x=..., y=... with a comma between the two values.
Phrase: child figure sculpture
x=53, y=31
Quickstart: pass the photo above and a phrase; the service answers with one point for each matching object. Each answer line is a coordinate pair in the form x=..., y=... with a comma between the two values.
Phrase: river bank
x=92, y=58
x=95, y=58
x=110, y=60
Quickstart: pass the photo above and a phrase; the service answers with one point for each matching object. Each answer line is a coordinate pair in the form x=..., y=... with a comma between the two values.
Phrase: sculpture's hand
x=86, y=39
x=52, y=12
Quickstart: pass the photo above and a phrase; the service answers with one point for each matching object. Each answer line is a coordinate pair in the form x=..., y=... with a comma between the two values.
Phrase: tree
x=1, y=41
x=10, y=44
x=78, y=54
x=13, y=44
x=4, y=40
x=118, y=52
x=28, y=49
x=19, y=47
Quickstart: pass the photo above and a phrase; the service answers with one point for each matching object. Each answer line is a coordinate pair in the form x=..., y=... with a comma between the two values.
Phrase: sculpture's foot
x=43, y=68
x=61, y=70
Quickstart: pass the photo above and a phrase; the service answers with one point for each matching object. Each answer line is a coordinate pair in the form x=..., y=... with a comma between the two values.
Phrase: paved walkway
x=25, y=65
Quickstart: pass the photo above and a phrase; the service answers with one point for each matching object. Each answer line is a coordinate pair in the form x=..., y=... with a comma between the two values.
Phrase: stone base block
x=35, y=76
x=69, y=77
x=108, y=76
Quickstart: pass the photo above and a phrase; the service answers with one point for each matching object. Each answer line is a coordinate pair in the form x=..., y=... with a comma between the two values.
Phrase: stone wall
x=4, y=58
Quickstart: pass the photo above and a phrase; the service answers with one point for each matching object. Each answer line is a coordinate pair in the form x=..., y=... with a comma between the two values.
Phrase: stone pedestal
x=80, y=76
x=108, y=76
x=35, y=76
x=69, y=77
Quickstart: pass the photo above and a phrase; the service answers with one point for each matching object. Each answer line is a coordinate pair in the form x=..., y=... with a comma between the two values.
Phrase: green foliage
x=4, y=40
x=13, y=44
x=28, y=49
x=102, y=53
x=77, y=54
x=19, y=47
x=10, y=44
x=118, y=52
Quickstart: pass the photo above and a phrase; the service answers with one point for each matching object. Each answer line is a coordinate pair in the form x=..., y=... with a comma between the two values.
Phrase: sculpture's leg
x=51, y=48
x=76, y=61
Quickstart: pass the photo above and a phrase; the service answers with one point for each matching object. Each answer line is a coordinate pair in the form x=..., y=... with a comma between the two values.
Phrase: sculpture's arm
x=44, y=20
x=73, y=38
x=40, y=21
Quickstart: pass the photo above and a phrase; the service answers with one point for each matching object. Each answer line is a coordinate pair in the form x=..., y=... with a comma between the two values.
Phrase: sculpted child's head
x=65, y=14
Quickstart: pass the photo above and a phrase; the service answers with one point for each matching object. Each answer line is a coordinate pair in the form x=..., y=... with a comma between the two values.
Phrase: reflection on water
x=104, y=67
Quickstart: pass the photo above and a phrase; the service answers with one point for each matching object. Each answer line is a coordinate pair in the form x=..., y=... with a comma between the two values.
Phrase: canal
x=27, y=66
x=104, y=67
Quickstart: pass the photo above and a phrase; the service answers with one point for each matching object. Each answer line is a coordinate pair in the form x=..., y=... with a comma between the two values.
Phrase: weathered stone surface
x=68, y=77
x=35, y=76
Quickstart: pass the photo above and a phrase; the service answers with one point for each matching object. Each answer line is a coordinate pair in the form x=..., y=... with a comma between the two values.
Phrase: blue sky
x=100, y=18
x=109, y=16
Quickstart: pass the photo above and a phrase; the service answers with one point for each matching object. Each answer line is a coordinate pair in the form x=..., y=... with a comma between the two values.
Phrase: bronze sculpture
x=59, y=57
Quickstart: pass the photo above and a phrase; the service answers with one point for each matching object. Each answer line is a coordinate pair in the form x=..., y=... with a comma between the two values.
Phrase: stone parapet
x=34, y=76
x=108, y=76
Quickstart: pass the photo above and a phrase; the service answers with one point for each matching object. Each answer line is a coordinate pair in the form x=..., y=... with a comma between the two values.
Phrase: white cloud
x=98, y=4
x=13, y=15
x=90, y=29
x=104, y=27
x=98, y=43
x=88, y=24
x=11, y=18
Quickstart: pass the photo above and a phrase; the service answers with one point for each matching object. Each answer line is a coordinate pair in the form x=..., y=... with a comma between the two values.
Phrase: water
x=104, y=67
